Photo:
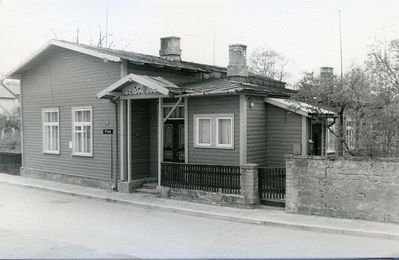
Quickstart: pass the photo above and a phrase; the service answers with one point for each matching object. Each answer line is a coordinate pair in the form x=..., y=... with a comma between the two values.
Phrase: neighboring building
x=160, y=109
x=9, y=98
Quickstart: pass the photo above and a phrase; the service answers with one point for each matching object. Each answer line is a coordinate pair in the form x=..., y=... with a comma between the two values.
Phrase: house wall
x=66, y=79
x=284, y=131
x=214, y=105
x=257, y=131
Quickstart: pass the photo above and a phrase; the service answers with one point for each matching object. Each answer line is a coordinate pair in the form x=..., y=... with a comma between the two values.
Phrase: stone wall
x=346, y=187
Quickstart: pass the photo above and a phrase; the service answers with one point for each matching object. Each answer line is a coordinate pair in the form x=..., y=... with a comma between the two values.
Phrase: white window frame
x=214, y=131
x=197, y=118
x=350, y=133
x=231, y=145
x=44, y=124
x=330, y=138
x=171, y=105
x=82, y=124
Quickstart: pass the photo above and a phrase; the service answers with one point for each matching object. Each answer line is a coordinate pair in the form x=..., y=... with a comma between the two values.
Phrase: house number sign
x=108, y=131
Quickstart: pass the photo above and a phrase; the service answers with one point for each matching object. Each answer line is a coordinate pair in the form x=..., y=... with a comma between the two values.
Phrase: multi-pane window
x=51, y=130
x=82, y=131
x=178, y=113
x=214, y=131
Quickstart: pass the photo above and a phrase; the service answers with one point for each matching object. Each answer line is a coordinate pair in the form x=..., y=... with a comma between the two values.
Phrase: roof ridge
x=104, y=49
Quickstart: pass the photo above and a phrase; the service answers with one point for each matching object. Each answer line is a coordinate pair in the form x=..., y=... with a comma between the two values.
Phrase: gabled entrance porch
x=151, y=128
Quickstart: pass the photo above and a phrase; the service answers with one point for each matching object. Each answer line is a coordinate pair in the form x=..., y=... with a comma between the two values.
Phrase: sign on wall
x=108, y=131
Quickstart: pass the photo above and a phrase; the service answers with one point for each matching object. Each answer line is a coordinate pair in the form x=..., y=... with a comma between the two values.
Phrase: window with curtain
x=214, y=131
x=51, y=130
x=203, y=131
x=82, y=136
x=224, y=127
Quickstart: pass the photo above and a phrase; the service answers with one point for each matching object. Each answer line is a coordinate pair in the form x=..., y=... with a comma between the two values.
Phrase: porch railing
x=272, y=186
x=214, y=178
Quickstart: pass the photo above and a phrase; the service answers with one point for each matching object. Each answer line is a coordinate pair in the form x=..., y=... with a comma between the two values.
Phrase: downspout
x=115, y=188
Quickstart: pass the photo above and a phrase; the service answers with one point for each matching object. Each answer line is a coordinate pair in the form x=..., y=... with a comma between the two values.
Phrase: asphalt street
x=41, y=224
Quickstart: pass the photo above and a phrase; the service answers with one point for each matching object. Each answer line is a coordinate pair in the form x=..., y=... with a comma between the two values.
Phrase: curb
x=218, y=216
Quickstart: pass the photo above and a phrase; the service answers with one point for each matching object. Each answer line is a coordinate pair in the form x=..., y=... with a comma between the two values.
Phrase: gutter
x=210, y=93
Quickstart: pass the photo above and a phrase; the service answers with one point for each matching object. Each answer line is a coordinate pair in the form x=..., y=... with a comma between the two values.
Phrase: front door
x=173, y=142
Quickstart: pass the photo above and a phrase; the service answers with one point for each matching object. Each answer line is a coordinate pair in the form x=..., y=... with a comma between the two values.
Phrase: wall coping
x=343, y=158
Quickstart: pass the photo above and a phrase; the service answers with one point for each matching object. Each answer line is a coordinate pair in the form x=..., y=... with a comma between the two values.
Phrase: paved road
x=40, y=224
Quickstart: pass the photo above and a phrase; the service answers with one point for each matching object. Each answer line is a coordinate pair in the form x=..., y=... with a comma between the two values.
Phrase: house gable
x=65, y=79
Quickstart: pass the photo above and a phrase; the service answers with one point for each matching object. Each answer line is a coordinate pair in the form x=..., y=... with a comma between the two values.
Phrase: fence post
x=249, y=183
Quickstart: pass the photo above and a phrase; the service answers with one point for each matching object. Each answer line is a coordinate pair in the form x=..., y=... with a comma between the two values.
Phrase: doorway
x=173, y=147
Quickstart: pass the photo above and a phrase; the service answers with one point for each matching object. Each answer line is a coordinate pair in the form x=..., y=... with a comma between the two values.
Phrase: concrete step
x=150, y=185
x=146, y=190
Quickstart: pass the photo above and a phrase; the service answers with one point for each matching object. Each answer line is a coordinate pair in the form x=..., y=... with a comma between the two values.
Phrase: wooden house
x=112, y=118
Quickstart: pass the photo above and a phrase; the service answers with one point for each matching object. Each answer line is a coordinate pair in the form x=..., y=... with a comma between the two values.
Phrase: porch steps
x=149, y=187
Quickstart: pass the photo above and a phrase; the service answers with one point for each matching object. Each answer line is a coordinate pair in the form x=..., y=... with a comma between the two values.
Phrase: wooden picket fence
x=213, y=178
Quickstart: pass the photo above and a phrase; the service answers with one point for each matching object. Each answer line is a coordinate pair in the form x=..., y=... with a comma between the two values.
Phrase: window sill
x=214, y=147
x=51, y=152
x=82, y=155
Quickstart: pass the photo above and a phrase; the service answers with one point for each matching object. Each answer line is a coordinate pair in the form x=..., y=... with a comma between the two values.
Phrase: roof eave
x=15, y=73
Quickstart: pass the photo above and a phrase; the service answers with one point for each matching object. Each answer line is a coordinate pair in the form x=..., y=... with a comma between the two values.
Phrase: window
x=82, y=131
x=350, y=134
x=178, y=113
x=214, y=131
x=330, y=142
x=203, y=135
x=224, y=131
x=331, y=139
x=51, y=130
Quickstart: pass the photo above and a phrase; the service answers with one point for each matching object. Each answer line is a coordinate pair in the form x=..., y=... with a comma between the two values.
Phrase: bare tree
x=268, y=63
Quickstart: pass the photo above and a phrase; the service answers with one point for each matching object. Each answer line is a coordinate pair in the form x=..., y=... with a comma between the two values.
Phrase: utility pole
x=340, y=41
x=106, y=27
x=341, y=112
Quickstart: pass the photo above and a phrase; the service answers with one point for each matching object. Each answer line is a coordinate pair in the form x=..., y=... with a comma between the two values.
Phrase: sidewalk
x=259, y=216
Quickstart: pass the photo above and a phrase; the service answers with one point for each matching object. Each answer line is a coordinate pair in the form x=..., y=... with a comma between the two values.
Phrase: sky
x=306, y=32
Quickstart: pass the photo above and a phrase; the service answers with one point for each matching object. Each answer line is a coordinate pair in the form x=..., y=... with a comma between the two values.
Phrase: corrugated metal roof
x=298, y=107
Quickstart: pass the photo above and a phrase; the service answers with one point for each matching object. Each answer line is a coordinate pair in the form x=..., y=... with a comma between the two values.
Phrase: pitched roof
x=157, y=84
x=115, y=56
x=302, y=108
x=214, y=86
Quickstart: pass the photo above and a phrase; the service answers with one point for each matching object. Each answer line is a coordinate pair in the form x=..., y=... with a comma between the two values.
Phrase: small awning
x=299, y=107
x=135, y=86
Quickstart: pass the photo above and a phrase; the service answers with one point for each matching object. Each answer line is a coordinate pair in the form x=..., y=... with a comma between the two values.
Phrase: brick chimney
x=326, y=73
x=170, y=48
x=237, y=68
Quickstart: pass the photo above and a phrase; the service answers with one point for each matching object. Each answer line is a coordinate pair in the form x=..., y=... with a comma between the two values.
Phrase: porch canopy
x=301, y=108
x=135, y=86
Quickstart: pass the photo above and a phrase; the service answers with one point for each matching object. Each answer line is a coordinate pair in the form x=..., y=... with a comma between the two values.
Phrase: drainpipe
x=115, y=188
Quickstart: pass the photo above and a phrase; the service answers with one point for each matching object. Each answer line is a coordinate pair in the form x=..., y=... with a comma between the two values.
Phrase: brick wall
x=347, y=188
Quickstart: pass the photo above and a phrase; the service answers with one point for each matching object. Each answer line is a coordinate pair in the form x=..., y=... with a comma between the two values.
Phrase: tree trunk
x=341, y=132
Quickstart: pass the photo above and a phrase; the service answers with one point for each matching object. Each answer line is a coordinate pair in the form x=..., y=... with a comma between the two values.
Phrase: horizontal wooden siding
x=214, y=105
x=66, y=79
